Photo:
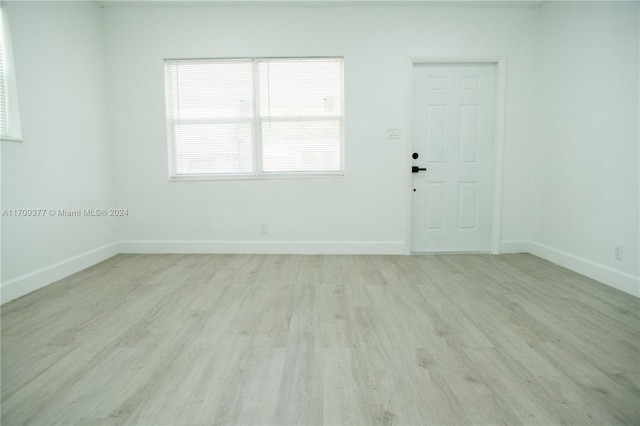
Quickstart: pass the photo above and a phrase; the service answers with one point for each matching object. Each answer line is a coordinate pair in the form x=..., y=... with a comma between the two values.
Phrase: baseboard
x=515, y=247
x=27, y=283
x=606, y=275
x=32, y=281
x=264, y=247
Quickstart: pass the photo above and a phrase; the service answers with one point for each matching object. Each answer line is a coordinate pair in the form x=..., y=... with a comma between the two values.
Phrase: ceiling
x=323, y=3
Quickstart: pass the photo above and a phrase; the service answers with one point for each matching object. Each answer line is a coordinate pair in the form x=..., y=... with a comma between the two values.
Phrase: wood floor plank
x=289, y=339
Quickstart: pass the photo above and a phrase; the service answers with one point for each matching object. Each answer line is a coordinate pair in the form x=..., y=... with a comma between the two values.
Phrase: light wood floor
x=271, y=339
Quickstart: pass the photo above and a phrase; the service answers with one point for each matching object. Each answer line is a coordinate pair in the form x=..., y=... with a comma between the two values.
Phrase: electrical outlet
x=264, y=228
x=619, y=252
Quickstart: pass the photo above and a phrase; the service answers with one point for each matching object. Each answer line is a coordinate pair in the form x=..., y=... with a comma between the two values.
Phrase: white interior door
x=453, y=138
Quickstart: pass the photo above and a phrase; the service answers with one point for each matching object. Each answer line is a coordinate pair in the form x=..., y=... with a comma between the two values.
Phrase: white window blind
x=255, y=117
x=10, y=129
x=3, y=91
x=210, y=110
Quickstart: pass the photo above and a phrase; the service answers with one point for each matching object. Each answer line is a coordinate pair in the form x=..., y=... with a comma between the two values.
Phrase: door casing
x=498, y=153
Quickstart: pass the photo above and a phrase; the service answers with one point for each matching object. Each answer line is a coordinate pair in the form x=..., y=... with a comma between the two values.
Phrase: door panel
x=434, y=203
x=453, y=134
x=435, y=133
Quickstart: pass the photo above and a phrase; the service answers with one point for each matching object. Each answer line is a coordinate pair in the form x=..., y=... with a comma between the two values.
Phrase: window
x=254, y=117
x=9, y=114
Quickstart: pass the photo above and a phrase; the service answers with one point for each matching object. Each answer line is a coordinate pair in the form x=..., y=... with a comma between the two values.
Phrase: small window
x=255, y=117
x=9, y=114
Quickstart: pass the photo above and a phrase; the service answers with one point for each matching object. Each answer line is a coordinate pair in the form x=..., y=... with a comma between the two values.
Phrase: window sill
x=10, y=139
x=269, y=176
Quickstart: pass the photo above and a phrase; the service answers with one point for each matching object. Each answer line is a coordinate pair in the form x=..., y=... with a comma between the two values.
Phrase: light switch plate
x=393, y=133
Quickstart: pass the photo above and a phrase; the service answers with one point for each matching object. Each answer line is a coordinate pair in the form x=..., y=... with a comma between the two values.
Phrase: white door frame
x=498, y=148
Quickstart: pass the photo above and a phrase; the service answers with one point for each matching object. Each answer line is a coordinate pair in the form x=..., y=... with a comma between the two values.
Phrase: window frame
x=256, y=121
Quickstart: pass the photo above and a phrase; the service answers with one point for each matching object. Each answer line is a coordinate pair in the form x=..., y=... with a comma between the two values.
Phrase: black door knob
x=416, y=169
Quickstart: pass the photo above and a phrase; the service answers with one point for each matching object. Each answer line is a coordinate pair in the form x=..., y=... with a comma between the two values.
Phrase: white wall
x=587, y=145
x=64, y=160
x=364, y=212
